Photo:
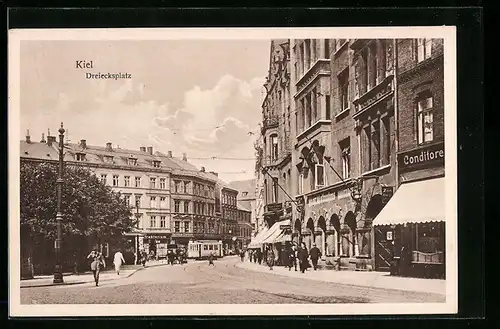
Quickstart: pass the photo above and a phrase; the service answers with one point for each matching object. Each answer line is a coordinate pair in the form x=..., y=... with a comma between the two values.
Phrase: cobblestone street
x=225, y=283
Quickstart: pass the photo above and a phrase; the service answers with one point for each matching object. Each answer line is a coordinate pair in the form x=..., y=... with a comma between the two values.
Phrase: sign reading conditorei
x=421, y=158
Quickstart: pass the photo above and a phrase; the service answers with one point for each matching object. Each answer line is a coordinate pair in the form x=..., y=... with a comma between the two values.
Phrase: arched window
x=274, y=147
x=425, y=117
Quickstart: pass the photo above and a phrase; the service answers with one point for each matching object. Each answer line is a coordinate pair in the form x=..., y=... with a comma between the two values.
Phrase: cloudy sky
x=198, y=97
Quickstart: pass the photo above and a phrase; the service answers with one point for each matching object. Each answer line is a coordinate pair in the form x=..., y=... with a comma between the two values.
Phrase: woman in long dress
x=270, y=258
x=118, y=261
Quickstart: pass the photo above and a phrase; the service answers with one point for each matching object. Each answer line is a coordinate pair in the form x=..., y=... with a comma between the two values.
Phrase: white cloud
x=211, y=122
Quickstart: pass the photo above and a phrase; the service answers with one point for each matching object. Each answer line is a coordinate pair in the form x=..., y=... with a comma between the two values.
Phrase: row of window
x=198, y=227
x=245, y=232
x=80, y=156
x=154, y=201
x=193, y=188
x=229, y=199
x=199, y=208
x=163, y=222
x=230, y=214
x=308, y=52
x=137, y=182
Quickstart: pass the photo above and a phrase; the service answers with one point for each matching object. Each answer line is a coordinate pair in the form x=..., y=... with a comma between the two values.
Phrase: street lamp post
x=58, y=274
x=137, y=215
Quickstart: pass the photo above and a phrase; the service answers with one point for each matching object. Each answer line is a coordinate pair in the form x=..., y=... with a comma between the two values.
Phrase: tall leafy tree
x=92, y=212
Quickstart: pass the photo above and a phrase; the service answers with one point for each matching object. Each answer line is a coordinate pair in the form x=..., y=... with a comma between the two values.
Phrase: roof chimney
x=109, y=148
x=50, y=140
x=143, y=148
x=150, y=150
x=43, y=138
x=28, y=138
x=184, y=157
x=83, y=144
x=169, y=154
x=202, y=169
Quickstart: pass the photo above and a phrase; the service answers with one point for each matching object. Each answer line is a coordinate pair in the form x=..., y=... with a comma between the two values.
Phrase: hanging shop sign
x=389, y=236
x=422, y=158
x=274, y=207
x=156, y=237
x=387, y=193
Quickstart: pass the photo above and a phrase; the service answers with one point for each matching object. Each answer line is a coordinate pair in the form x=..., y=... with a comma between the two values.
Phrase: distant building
x=174, y=201
x=247, y=203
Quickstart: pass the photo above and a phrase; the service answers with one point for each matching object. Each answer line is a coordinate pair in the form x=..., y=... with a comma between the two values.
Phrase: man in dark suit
x=315, y=254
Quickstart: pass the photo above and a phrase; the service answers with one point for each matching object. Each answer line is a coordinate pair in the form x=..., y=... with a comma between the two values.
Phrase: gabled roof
x=243, y=206
x=96, y=155
x=243, y=186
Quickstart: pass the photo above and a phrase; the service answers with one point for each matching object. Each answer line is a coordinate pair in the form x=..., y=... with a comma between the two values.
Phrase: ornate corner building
x=341, y=137
x=276, y=136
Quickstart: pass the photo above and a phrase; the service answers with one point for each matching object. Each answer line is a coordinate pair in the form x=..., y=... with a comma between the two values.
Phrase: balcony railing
x=270, y=122
x=374, y=95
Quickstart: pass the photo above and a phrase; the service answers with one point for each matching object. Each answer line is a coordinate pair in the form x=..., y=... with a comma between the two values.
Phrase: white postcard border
x=448, y=33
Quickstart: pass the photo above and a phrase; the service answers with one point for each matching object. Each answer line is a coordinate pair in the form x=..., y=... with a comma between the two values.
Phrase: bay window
x=425, y=118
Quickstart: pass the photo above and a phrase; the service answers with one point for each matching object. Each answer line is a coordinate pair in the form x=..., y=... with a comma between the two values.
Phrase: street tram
x=201, y=249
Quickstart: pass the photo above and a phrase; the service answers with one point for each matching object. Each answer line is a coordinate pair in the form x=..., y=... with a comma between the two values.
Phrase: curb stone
x=83, y=282
x=237, y=265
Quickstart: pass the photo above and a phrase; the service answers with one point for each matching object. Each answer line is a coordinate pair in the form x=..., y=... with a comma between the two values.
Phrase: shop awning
x=257, y=240
x=277, y=233
x=415, y=202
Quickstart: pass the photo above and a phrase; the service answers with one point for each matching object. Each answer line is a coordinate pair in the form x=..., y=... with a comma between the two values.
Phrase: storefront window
x=429, y=243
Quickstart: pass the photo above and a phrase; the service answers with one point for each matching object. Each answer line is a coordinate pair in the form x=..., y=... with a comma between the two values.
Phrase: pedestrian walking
x=211, y=259
x=242, y=255
x=315, y=254
x=97, y=262
x=270, y=258
x=118, y=260
x=292, y=258
x=170, y=257
x=303, y=254
x=144, y=258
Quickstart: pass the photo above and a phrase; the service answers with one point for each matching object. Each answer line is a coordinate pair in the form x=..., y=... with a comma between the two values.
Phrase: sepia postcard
x=232, y=171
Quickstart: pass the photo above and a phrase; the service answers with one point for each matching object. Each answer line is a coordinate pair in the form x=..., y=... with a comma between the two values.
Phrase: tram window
x=211, y=247
x=205, y=247
x=216, y=247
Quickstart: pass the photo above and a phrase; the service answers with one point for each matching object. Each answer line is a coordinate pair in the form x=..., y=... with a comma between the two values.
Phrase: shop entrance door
x=383, y=248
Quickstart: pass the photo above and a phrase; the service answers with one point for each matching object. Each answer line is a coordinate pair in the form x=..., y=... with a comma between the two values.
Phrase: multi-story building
x=415, y=233
x=173, y=201
x=361, y=128
x=275, y=130
x=247, y=203
x=227, y=208
x=247, y=196
x=259, y=223
x=245, y=227
x=312, y=138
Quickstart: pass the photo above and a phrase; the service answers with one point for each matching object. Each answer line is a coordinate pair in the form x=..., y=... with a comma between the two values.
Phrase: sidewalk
x=87, y=277
x=367, y=279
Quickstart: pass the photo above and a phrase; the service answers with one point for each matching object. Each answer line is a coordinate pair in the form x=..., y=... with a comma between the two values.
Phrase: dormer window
x=156, y=164
x=108, y=159
x=80, y=157
x=132, y=161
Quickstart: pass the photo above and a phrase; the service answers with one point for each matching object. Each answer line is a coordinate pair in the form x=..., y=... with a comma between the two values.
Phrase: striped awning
x=257, y=240
x=277, y=234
